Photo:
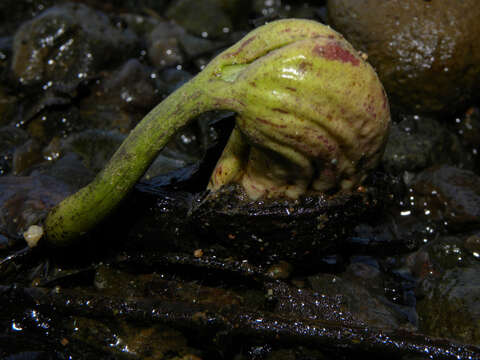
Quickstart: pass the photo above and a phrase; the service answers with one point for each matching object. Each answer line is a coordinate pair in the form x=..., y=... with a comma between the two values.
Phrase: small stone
x=415, y=143
x=450, y=308
x=33, y=234
x=163, y=45
x=452, y=194
x=281, y=270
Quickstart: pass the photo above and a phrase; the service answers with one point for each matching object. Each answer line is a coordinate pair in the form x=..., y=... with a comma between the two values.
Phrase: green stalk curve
x=312, y=115
x=80, y=212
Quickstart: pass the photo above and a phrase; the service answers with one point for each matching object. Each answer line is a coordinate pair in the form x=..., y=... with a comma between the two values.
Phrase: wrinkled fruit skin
x=312, y=114
x=426, y=53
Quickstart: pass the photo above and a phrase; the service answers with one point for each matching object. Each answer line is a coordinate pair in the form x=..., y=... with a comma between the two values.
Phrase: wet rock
x=172, y=79
x=66, y=45
x=452, y=195
x=95, y=147
x=33, y=105
x=355, y=299
x=26, y=200
x=425, y=52
x=274, y=9
x=467, y=128
x=149, y=6
x=202, y=18
x=10, y=137
x=472, y=244
x=5, y=55
x=309, y=11
x=238, y=11
x=122, y=98
x=445, y=253
x=5, y=165
x=417, y=142
x=448, y=291
x=13, y=13
x=6, y=243
x=163, y=45
x=140, y=24
x=389, y=234
x=267, y=8
x=8, y=105
x=54, y=121
x=68, y=170
x=133, y=86
x=26, y=155
x=194, y=46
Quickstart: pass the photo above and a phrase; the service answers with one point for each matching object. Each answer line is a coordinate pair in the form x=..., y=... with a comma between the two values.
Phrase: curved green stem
x=301, y=123
x=81, y=211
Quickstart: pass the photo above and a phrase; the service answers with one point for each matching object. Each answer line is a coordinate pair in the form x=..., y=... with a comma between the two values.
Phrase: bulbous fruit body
x=312, y=115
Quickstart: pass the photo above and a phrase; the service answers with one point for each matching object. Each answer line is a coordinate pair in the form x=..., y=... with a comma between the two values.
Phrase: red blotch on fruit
x=334, y=51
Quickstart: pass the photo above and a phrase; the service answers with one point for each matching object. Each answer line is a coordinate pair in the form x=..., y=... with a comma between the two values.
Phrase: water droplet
x=16, y=326
x=126, y=96
x=187, y=139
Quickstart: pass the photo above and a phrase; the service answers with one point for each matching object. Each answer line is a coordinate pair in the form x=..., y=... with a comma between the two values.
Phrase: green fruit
x=312, y=115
